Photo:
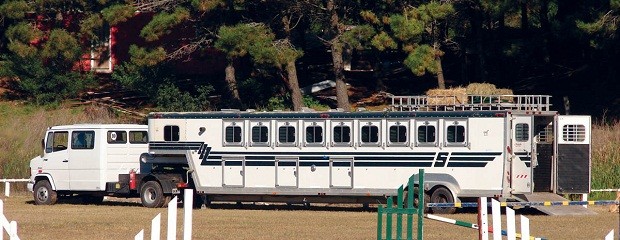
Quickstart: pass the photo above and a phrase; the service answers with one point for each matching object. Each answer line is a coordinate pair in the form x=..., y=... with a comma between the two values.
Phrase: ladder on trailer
x=540, y=103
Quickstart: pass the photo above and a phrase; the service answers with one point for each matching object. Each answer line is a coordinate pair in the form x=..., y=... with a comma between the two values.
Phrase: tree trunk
x=342, y=93
x=293, y=85
x=441, y=82
x=231, y=83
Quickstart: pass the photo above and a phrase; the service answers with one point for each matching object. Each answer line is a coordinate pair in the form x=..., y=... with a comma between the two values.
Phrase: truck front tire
x=152, y=195
x=44, y=194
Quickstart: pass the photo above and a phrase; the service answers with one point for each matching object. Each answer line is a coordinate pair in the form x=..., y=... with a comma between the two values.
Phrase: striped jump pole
x=473, y=226
x=525, y=204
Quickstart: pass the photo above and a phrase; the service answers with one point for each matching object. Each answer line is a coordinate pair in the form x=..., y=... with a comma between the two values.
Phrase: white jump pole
x=483, y=229
x=172, y=219
x=188, y=203
x=140, y=235
x=13, y=233
x=497, y=220
x=156, y=227
x=2, y=219
x=510, y=224
x=610, y=235
x=7, y=189
x=525, y=227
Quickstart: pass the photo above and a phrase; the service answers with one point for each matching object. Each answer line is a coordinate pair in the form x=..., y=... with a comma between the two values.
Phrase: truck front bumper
x=30, y=186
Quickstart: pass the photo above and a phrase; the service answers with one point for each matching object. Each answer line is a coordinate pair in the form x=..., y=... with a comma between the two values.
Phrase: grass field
x=123, y=220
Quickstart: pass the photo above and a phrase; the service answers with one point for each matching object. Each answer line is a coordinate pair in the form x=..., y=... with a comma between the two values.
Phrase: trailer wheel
x=152, y=195
x=44, y=194
x=442, y=195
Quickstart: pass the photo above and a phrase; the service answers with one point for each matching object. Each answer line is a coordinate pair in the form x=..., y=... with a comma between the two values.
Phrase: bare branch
x=155, y=5
x=187, y=49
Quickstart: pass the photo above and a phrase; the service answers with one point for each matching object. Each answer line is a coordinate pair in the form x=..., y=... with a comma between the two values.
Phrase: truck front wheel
x=44, y=194
x=152, y=195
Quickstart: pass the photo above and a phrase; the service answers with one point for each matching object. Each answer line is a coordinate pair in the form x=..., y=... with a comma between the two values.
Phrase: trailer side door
x=572, y=156
x=521, y=173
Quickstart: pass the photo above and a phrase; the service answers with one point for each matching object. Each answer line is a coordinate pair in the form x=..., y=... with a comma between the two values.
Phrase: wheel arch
x=45, y=176
x=433, y=181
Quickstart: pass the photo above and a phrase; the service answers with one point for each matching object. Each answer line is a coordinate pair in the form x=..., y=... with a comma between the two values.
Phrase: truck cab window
x=57, y=141
x=82, y=140
x=117, y=137
x=137, y=137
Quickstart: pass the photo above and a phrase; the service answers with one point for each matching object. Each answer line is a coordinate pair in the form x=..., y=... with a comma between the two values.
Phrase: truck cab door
x=572, y=156
x=85, y=159
x=56, y=159
x=522, y=161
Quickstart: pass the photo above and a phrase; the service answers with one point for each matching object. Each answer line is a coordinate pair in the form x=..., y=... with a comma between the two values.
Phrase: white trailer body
x=86, y=159
x=467, y=150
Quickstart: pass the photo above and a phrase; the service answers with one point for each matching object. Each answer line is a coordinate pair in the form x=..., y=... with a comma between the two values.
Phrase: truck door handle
x=66, y=160
x=45, y=159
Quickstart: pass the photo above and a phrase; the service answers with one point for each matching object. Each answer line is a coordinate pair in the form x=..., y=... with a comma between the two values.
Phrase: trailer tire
x=152, y=195
x=44, y=194
x=442, y=195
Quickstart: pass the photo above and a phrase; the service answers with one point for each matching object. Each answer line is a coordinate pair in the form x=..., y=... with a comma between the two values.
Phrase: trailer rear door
x=572, y=168
x=521, y=173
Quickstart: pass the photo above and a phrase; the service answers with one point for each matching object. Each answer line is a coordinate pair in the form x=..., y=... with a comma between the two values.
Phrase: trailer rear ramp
x=555, y=210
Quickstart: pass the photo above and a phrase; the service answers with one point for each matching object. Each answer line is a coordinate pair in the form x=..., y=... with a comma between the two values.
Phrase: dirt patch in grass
x=124, y=219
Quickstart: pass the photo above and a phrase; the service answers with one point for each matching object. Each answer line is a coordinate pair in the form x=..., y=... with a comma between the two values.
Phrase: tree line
x=268, y=47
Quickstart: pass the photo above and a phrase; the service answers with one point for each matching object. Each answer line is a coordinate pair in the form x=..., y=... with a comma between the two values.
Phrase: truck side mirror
x=42, y=146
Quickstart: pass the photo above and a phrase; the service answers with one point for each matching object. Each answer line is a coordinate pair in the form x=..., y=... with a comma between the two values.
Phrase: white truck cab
x=85, y=160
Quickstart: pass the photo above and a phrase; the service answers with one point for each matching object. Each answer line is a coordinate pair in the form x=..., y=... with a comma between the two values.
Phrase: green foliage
x=14, y=9
x=20, y=35
x=163, y=22
x=118, y=13
x=61, y=46
x=170, y=98
x=89, y=25
x=383, y=41
x=406, y=29
x=237, y=40
x=434, y=11
x=358, y=37
x=207, y=5
x=44, y=83
x=422, y=59
x=144, y=57
x=370, y=17
x=283, y=102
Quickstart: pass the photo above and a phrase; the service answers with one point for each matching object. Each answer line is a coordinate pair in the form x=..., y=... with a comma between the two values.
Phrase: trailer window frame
x=424, y=130
x=522, y=132
x=172, y=133
x=289, y=137
x=341, y=131
x=233, y=133
x=135, y=138
x=264, y=134
x=458, y=127
x=574, y=133
x=401, y=137
x=314, y=141
x=370, y=133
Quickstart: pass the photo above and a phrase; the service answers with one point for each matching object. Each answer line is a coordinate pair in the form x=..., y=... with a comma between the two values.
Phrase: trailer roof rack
x=540, y=103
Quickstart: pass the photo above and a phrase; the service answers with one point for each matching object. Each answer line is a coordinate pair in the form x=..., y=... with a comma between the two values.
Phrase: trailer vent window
x=117, y=137
x=545, y=133
x=522, y=132
x=138, y=137
x=286, y=134
x=233, y=134
x=370, y=134
x=456, y=134
x=426, y=134
x=574, y=133
x=171, y=133
x=314, y=134
x=342, y=134
x=260, y=134
x=398, y=134
x=82, y=140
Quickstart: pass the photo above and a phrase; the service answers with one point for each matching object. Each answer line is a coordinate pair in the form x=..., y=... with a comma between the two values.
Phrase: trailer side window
x=574, y=133
x=342, y=134
x=117, y=137
x=522, y=132
x=455, y=134
x=57, y=141
x=314, y=134
x=82, y=140
x=260, y=134
x=370, y=134
x=398, y=134
x=138, y=137
x=233, y=134
x=426, y=134
x=171, y=133
x=286, y=134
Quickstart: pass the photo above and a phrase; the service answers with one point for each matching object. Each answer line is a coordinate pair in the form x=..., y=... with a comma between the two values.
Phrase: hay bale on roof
x=505, y=91
x=481, y=89
x=451, y=96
